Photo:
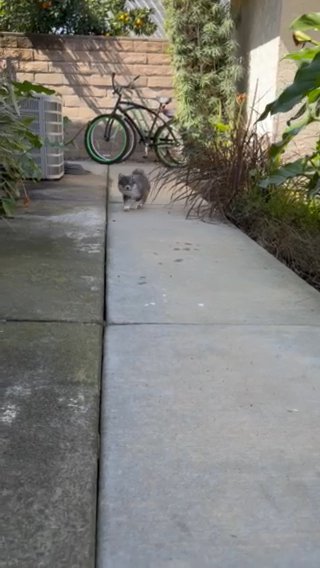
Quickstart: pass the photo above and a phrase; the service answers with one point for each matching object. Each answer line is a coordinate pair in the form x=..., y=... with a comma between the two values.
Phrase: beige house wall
x=265, y=38
x=292, y=9
x=79, y=69
x=258, y=26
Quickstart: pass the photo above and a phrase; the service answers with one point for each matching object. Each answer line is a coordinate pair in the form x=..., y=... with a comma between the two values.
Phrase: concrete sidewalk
x=211, y=400
x=51, y=324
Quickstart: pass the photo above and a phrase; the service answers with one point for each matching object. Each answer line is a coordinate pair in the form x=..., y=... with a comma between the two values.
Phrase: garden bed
x=289, y=230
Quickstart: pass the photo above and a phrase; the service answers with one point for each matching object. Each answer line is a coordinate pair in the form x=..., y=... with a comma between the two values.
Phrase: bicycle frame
x=148, y=137
x=132, y=120
x=124, y=107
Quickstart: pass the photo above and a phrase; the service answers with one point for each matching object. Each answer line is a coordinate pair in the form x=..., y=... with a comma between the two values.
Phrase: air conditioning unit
x=46, y=112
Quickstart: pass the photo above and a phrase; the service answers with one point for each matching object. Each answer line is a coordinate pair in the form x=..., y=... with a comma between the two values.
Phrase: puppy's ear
x=120, y=177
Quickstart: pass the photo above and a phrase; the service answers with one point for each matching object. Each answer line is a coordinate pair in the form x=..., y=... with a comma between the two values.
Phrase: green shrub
x=203, y=56
x=98, y=17
x=16, y=142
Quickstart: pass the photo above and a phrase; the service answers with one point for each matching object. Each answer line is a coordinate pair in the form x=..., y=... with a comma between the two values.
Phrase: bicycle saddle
x=164, y=100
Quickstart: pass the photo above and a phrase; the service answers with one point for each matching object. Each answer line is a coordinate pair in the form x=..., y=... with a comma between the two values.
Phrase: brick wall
x=79, y=68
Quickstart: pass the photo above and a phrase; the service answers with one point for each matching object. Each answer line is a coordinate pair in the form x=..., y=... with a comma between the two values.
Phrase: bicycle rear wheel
x=132, y=141
x=168, y=146
x=106, y=139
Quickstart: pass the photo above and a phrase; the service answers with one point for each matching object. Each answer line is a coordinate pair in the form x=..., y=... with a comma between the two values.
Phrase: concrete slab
x=52, y=253
x=210, y=446
x=164, y=269
x=90, y=166
x=49, y=420
x=211, y=400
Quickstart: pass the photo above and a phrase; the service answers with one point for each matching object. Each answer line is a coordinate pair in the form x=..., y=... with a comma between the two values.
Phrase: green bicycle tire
x=165, y=139
x=91, y=147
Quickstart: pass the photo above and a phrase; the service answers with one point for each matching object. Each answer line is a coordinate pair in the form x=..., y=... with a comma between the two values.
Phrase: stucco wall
x=258, y=29
x=291, y=9
x=263, y=32
x=79, y=69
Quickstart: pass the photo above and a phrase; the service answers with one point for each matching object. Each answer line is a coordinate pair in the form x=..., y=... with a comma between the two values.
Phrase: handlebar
x=117, y=89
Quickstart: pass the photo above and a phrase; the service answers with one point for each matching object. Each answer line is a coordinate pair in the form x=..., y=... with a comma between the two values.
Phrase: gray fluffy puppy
x=134, y=188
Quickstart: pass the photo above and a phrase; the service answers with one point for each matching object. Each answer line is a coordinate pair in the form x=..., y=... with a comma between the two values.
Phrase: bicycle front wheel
x=106, y=139
x=168, y=146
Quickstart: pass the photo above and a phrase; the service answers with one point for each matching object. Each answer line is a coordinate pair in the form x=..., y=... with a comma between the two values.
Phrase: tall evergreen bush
x=203, y=48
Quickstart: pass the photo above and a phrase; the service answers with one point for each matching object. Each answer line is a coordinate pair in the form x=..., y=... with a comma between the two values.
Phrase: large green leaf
x=8, y=206
x=306, y=115
x=26, y=88
x=309, y=21
x=285, y=173
x=34, y=140
x=314, y=185
x=300, y=38
x=306, y=80
x=303, y=55
x=305, y=89
x=314, y=95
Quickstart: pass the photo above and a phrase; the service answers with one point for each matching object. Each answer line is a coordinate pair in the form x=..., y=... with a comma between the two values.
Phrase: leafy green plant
x=305, y=90
x=97, y=17
x=16, y=142
x=203, y=56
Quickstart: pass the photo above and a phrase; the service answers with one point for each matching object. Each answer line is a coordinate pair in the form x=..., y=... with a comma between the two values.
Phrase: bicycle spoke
x=169, y=146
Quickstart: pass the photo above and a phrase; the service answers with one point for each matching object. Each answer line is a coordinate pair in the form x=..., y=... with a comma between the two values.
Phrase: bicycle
x=113, y=137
